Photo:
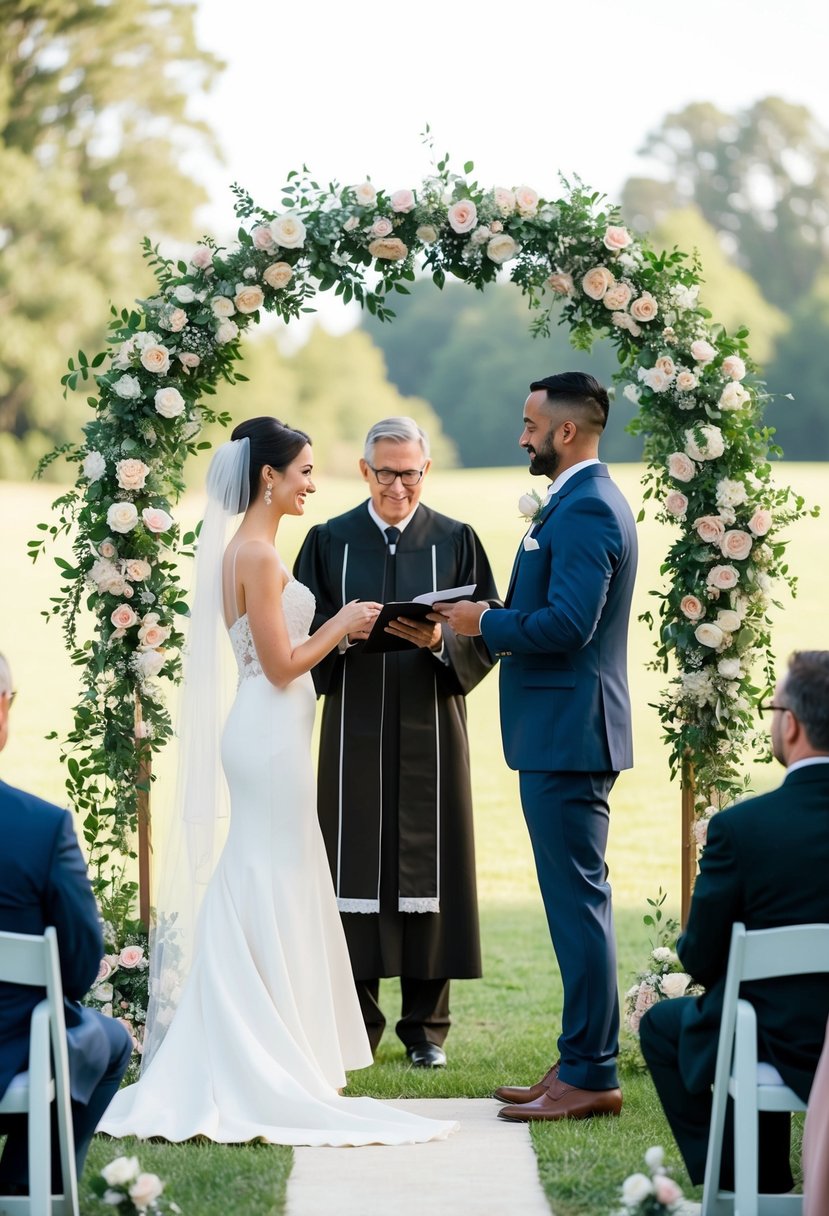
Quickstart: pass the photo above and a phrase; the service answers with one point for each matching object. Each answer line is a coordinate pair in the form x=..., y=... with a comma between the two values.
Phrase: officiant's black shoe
x=427, y=1055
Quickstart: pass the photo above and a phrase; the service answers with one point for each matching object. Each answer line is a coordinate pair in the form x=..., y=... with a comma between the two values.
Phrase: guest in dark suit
x=765, y=864
x=43, y=881
x=566, y=723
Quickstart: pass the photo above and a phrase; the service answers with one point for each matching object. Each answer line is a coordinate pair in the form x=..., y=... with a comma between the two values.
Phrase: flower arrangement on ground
x=650, y=1194
x=122, y=1185
x=663, y=977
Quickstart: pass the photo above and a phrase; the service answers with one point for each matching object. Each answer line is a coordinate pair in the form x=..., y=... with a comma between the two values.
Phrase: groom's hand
x=422, y=633
x=464, y=617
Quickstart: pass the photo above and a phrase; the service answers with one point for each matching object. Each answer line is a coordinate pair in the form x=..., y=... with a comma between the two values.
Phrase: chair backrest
x=24, y=959
x=789, y=950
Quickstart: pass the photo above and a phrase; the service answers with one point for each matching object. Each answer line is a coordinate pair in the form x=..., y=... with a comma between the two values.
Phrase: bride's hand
x=357, y=618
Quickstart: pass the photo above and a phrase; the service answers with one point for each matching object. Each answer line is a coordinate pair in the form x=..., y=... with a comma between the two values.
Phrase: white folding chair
x=755, y=955
x=33, y=961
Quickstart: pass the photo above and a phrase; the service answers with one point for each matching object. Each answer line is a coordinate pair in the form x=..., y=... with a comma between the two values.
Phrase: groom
x=565, y=723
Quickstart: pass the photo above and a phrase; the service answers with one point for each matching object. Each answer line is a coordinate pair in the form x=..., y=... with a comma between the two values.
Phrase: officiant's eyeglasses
x=770, y=708
x=10, y=695
x=408, y=477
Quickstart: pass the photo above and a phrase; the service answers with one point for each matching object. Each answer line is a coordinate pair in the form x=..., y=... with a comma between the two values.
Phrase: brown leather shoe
x=518, y=1094
x=563, y=1101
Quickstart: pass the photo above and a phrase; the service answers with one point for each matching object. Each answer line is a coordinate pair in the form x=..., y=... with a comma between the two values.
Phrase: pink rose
x=156, y=520
x=617, y=238
x=703, y=352
x=618, y=297
x=733, y=366
x=123, y=617
x=105, y=970
x=145, y=1190
x=625, y=321
x=685, y=381
x=644, y=308
x=130, y=1029
x=278, y=274
x=131, y=956
x=175, y=320
x=201, y=257
x=666, y=364
x=665, y=1190
x=131, y=474
x=388, y=248
x=402, y=201
x=504, y=200
x=692, y=608
x=561, y=283
x=188, y=359
x=676, y=503
x=137, y=569
x=760, y=522
x=701, y=832
x=736, y=545
x=710, y=528
x=382, y=226
x=152, y=636
x=262, y=237
x=597, y=281
x=681, y=467
x=526, y=200
x=462, y=216
x=722, y=578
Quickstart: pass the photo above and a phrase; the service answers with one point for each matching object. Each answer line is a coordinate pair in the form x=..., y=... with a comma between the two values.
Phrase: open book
x=417, y=610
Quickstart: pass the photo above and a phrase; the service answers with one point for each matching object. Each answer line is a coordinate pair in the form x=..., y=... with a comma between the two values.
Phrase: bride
x=256, y=1043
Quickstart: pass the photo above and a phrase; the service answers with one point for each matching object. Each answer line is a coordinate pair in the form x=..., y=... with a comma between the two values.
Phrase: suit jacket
x=766, y=864
x=562, y=636
x=43, y=881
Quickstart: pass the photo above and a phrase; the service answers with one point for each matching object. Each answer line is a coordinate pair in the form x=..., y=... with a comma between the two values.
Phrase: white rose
x=221, y=306
x=636, y=1188
x=729, y=669
x=631, y=393
x=674, y=984
x=148, y=663
x=734, y=396
x=729, y=620
x=366, y=194
x=654, y=378
x=226, y=332
x=655, y=1158
x=122, y=517
x=528, y=504
x=120, y=1171
x=128, y=387
x=94, y=466
x=288, y=231
x=703, y=352
x=249, y=298
x=733, y=366
x=710, y=635
x=156, y=359
x=169, y=402
x=704, y=442
x=184, y=293
x=502, y=248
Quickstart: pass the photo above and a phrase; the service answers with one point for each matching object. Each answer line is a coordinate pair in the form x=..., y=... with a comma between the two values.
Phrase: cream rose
x=676, y=503
x=120, y=1171
x=496, y=226
x=704, y=442
x=463, y=215
x=625, y=321
x=504, y=200
x=221, y=306
x=152, y=634
x=174, y=320
x=94, y=466
x=156, y=359
x=502, y=248
x=528, y=504
x=710, y=528
x=201, y=257
x=729, y=669
x=131, y=474
x=188, y=359
x=597, y=282
x=692, y=608
x=703, y=352
x=561, y=283
x=226, y=332
x=526, y=200
x=262, y=237
x=723, y=578
x=685, y=381
x=710, y=635
x=617, y=297
x=760, y=522
x=128, y=387
x=666, y=364
x=734, y=396
x=681, y=467
x=674, y=983
x=402, y=201
x=644, y=308
x=288, y=231
x=169, y=402
x=365, y=194
x=382, y=226
x=156, y=520
x=388, y=248
x=729, y=620
x=131, y=956
x=107, y=548
x=122, y=517
x=249, y=297
x=137, y=569
x=617, y=238
x=278, y=274
x=654, y=378
x=351, y=224
x=635, y=1188
x=145, y=1190
x=123, y=617
x=427, y=233
x=736, y=545
x=733, y=366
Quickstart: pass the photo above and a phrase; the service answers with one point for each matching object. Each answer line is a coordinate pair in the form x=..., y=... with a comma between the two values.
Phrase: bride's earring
x=268, y=495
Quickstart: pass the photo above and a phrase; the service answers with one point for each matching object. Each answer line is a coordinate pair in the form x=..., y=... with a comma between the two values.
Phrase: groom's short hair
x=577, y=390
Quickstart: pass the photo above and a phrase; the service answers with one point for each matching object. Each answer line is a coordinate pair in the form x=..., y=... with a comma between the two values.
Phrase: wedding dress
x=268, y=1021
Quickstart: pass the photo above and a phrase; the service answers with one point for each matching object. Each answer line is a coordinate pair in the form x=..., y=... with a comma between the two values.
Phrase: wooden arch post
x=688, y=846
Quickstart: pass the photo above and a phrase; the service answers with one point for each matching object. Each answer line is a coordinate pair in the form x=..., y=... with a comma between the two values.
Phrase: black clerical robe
x=394, y=790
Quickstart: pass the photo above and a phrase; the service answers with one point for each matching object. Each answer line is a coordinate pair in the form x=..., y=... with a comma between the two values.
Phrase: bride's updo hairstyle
x=272, y=443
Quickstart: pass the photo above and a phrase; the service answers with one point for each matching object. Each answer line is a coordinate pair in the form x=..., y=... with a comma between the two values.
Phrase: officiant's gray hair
x=398, y=430
x=5, y=676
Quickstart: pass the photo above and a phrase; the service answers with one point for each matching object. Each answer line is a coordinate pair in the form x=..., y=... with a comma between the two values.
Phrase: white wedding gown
x=268, y=1021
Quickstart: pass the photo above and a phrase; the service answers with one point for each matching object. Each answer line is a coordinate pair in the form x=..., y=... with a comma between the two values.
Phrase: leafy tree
x=93, y=126
x=761, y=179
x=800, y=369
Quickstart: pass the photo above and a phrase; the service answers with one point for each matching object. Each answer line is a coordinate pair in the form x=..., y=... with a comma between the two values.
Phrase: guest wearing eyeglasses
x=394, y=796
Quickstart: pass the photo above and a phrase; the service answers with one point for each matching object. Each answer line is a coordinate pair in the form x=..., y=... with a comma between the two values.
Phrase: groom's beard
x=544, y=462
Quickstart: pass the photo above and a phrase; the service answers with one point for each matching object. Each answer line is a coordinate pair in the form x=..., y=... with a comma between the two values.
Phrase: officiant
x=395, y=801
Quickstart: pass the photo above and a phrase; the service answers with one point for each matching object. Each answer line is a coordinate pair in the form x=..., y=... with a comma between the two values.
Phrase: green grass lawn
x=505, y=1025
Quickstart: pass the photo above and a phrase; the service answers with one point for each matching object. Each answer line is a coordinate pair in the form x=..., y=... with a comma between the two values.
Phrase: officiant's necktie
x=392, y=537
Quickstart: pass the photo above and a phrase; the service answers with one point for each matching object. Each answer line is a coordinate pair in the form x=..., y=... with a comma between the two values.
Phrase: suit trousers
x=14, y=1164
x=567, y=816
x=424, y=1012
x=689, y=1113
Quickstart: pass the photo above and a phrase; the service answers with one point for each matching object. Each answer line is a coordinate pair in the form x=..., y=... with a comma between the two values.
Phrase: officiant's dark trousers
x=424, y=1011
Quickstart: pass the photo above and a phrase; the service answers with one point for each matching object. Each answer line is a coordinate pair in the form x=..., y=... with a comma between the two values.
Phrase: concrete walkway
x=488, y=1168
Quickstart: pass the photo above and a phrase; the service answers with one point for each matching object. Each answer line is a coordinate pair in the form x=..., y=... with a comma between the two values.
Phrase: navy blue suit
x=43, y=881
x=566, y=727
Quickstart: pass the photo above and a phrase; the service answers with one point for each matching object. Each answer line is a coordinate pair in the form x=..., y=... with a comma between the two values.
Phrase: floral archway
x=700, y=403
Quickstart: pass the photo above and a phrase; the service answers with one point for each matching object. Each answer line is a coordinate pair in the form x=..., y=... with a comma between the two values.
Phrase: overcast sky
x=524, y=89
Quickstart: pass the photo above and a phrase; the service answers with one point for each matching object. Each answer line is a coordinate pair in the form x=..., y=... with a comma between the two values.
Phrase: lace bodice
x=298, y=605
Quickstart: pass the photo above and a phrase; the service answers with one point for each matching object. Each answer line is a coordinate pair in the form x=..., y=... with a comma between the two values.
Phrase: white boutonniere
x=531, y=505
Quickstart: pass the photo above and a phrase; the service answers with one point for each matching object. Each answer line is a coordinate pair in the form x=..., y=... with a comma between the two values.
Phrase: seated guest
x=43, y=881
x=765, y=864
x=816, y=1140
